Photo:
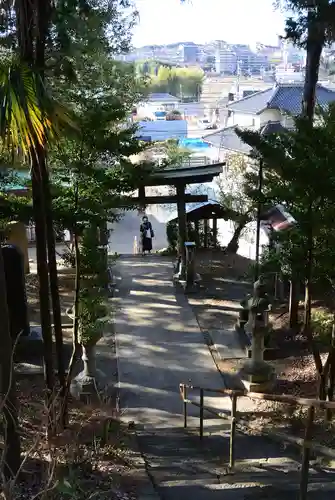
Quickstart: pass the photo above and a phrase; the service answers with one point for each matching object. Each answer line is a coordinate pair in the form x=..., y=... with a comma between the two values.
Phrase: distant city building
x=250, y=62
x=189, y=53
x=225, y=62
x=225, y=59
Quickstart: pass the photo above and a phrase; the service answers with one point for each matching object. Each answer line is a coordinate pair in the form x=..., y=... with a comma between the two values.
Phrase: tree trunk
x=103, y=243
x=12, y=449
x=331, y=385
x=315, y=43
x=233, y=245
x=206, y=233
x=42, y=270
x=215, y=232
x=309, y=273
x=196, y=233
x=75, y=329
x=294, y=305
x=54, y=288
x=32, y=25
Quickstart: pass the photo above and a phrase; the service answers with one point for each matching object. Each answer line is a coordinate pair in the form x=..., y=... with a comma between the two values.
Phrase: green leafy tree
x=234, y=197
x=185, y=83
x=293, y=161
x=92, y=173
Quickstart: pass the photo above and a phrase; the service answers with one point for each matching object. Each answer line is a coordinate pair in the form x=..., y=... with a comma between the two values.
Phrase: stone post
x=91, y=382
x=182, y=229
x=190, y=265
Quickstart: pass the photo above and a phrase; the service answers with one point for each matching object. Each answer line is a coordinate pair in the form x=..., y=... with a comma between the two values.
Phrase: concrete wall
x=243, y=119
x=247, y=241
x=257, y=121
x=123, y=232
x=270, y=115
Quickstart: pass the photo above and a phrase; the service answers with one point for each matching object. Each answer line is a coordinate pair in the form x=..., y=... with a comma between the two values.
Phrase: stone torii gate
x=179, y=178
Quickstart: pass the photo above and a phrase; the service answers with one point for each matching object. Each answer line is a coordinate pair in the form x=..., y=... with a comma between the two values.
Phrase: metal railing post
x=232, y=431
x=306, y=452
x=184, y=405
x=201, y=413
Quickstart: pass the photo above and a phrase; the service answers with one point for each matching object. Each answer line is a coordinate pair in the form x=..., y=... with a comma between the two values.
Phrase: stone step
x=202, y=490
x=182, y=466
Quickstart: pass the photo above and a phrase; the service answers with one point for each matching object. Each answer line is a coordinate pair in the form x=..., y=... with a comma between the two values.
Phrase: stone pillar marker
x=257, y=375
x=17, y=236
x=190, y=265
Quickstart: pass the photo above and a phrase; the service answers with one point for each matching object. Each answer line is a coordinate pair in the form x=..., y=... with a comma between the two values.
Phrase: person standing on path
x=146, y=235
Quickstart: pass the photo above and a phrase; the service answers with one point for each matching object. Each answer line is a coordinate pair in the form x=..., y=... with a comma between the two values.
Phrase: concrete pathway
x=159, y=344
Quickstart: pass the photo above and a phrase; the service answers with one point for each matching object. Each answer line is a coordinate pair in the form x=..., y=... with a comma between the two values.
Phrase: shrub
x=172, y=235
x=174, y=115
x=322, y=323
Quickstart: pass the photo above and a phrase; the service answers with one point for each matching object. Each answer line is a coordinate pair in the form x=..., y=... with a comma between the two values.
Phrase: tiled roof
x=228, y=139
x=191, y=207
x=162, y=97
x=287, y=97
x=253, y=103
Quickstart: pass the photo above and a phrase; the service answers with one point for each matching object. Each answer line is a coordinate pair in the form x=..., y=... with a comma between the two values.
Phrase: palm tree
x=28, y=119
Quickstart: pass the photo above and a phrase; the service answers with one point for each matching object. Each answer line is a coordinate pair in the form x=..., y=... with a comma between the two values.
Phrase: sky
x=235, y=21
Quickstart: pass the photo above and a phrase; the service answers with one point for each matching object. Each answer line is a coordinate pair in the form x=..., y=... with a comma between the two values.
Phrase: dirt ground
x=94, y=453
x=214, y=266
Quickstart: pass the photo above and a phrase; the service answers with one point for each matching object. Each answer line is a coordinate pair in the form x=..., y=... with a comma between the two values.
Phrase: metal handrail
x=306, y=443
x=280, y=398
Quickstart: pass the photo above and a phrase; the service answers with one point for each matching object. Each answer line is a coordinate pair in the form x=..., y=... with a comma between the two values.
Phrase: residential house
x=274, y=105
x=156, y=104
x=269, y=111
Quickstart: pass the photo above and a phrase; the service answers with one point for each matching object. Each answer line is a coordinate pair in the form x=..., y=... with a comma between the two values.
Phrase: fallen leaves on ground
x=92, y=455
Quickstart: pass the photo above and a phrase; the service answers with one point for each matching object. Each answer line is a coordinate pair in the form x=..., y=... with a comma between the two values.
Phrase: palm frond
x=28, y=115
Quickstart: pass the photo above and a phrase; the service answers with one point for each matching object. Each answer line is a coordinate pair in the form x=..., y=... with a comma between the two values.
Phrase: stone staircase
x=183, y=467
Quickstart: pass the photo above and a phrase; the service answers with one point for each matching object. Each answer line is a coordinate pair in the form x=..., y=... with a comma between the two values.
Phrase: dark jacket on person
x=146, y=226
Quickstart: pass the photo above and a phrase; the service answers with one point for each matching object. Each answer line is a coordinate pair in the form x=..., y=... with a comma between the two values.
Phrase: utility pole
x=238, y=76
x=259, y=213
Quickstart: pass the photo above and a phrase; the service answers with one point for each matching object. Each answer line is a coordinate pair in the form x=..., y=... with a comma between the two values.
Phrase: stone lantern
x=257, y=375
